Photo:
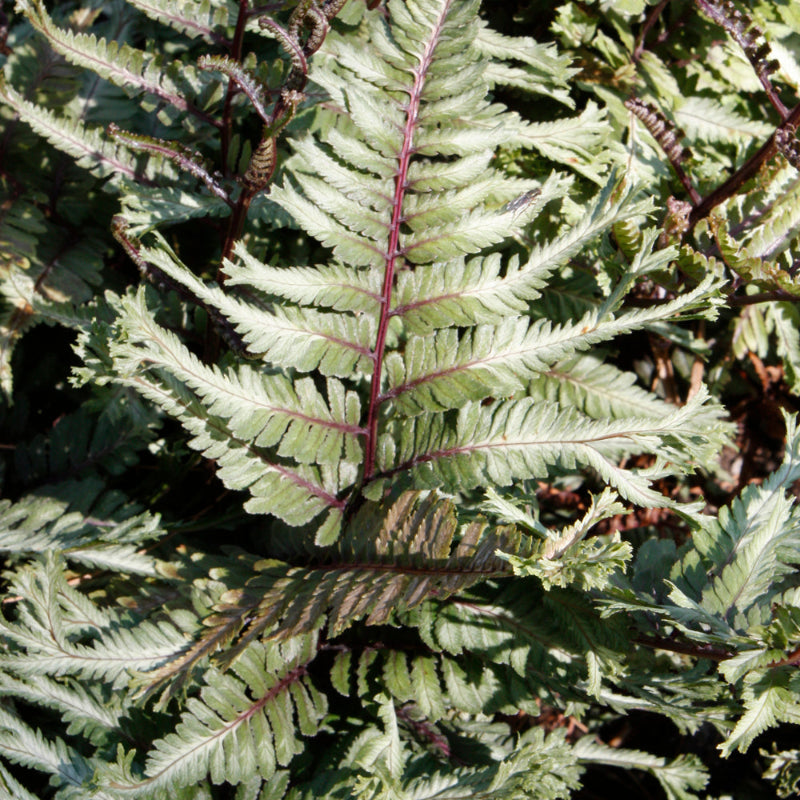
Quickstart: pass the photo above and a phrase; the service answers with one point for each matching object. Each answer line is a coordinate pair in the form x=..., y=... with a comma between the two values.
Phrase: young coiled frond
x=662, y=130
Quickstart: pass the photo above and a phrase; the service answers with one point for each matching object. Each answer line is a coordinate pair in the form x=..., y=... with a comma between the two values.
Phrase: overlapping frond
x=267, y=410
x=48, y=635
x=85, y=526
x=189, y=17
x=445, y=369
x=242, y=724
x=285, y=336
x=386, y=561
x=85, y=144
x=27, y=746
x=497, y=443
x=120, y=64
x=294, y=492
x=429, y=111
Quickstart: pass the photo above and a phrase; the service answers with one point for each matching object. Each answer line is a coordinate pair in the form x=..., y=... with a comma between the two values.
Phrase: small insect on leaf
x=519, y=204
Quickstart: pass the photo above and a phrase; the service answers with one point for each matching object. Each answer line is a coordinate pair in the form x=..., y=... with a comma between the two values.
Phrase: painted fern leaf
x=385, y=562
x=189, y=17
x=29, y=747
x=751, y=543
x=411, y=320
x=494, y=444
x=269, y=410
x=246, y=721
x=121, y=64
x=48, y=635
x=86, y=526
x=87, y=145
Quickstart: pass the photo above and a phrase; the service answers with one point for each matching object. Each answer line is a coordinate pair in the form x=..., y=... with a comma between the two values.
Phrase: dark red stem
x=392, y=255
x=648, y=23
x=227, y=113
x=748, y=170
x=685, y=648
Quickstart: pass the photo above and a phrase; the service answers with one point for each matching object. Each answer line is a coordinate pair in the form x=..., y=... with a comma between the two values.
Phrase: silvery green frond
x=119, y=63
x=89, y=711
x=84, y=525
x=336, y=286
x=443, y=369
x=501, y=442
x=381, y=565
x=268, y=410
x=679, y=778
x=67, y=768
x=287, y=336
x=355, y=209
x=524, y=63
x=246, y=721
x=294, y=492
x=189, y=17
x=85, y=144
x=52, y=620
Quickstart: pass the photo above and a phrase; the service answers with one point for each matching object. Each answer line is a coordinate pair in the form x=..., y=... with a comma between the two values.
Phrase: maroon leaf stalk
x=394, y=252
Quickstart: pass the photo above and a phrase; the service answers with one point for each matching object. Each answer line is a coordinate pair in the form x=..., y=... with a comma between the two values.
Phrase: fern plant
x=398, y=351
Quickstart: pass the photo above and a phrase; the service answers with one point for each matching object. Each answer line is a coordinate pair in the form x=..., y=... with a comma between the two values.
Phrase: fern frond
x=243, y=723
x=295, y=493
x=538, y=67
x=52, y=618
x=505, y=441
x=85, y=527
x=291, y=337
x=483, y=290
x=87, y=710
x=386, y=561
x=66, y=766
x=543, y=767
x=335, y=286
x=267, y=410
x=777, y=230
x=749, y=545
x=600, y=390
x=207, y=18
x=708, y=120
x=12, y=787
x=677, y=777
x=443, y=369
x=563, y=651
x=85, y=144
x=574, y=142
x=768, y=699
x=120, y=64
x=458, y=218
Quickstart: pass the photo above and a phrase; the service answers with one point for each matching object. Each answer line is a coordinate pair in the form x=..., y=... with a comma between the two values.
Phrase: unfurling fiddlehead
x=668, y=137
x=663, y=131
x=751, y=39
x=185, y=158
x=788, y=145
x=261, y=166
